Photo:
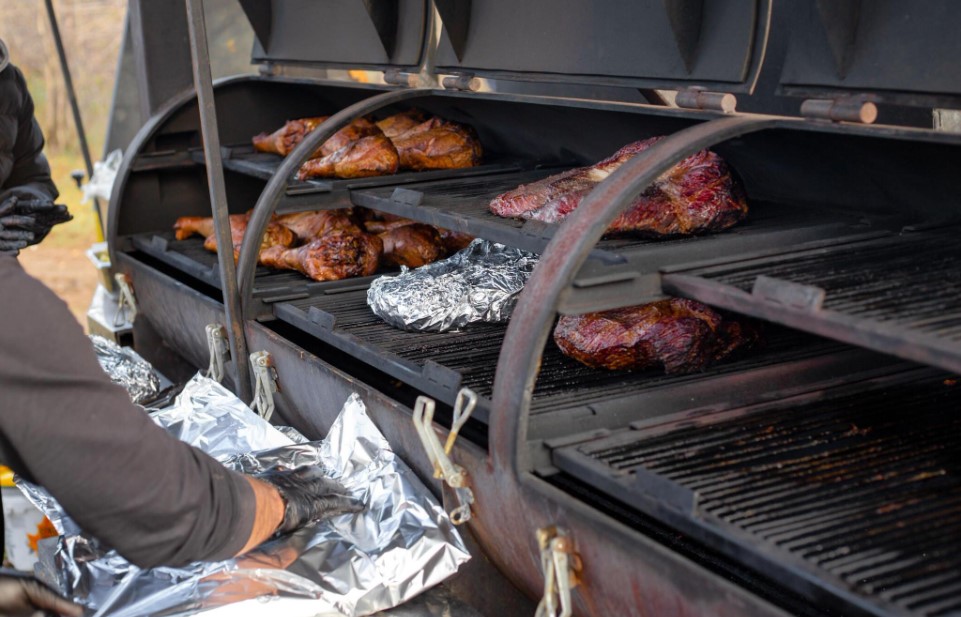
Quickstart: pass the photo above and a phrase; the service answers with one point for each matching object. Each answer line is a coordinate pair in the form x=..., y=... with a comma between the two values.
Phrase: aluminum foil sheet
x=126, y=368
x=478, y=284
x=402, y=545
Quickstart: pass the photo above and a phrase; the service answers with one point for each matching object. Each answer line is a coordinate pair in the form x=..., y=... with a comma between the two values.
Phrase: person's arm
x=126, y=481
x=30, y=175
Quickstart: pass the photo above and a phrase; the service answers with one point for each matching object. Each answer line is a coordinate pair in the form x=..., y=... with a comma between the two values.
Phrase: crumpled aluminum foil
x=401, y=545
x=479, y=283
x=127, y=369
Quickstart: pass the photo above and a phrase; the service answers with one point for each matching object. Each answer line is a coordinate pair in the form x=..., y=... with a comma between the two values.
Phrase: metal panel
x=664, y=43
x=904, y=50
x=352, y=33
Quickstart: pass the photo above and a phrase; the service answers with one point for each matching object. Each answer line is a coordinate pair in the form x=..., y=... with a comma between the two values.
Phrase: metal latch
x=696, y=98
x=219, y=350
x=265, y=383
x=562, y=566
x=444, y=468
x=859, y=108
x=126, y=302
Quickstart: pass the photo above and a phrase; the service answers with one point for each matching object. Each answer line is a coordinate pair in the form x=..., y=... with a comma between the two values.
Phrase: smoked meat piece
x=413, y=245
x=681, y=335
x=438, y=144
x=338, y=255
x=373, y=155
x=697, y=195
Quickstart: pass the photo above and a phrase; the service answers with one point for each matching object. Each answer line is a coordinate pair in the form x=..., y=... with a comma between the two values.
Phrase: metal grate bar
x=860, y=488
x=899, y=295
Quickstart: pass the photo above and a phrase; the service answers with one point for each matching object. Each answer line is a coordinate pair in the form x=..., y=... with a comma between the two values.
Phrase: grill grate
x=899, y=295
x=858, y=495
x=440, y=363
x=245, y=160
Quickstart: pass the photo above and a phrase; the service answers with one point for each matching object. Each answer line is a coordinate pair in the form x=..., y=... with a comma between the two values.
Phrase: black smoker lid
x=716, y=44
x=348, y=33
x=904, y=51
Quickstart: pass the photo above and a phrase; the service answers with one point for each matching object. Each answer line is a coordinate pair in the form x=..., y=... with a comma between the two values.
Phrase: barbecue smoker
x=817, y=475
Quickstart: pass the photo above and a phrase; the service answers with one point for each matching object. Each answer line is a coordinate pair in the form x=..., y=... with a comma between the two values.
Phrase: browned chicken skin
x=275, y=234
x=285, y=139
x=454, y=241
x=411, y=245
x=315, y=224
x=338, y=255
x=398, y=124
x=438, y=144
x=373, y=155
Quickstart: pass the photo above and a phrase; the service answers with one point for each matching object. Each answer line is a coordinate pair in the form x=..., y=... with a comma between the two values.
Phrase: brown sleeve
x=126, y=481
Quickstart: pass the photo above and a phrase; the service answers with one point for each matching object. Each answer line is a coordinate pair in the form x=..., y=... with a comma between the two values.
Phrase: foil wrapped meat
x=478, y=284
x=127, y=369
x=401, y=545
x=682, y=335
x=697, y=195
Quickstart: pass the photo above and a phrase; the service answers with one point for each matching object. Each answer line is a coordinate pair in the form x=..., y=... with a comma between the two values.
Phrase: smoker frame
x=510, y=450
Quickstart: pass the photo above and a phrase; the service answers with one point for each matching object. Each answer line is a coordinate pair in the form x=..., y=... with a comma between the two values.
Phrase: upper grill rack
x=857, y=495
x=316, y=194
x=899, y=295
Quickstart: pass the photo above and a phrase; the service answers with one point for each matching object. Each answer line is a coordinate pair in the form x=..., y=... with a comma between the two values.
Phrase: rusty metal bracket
x=265, y=383
x=126, y=301
x=561, y=566
x=219, y=351
x=444, y=468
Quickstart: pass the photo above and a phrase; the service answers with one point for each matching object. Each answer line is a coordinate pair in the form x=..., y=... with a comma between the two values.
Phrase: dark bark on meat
x=286, y=138
x=316, y=224
x=373, y=155
x=697, y=195
x=681, y=335
x=398, y=124
x=274, y=235
x=454, y=240
x=438, y=144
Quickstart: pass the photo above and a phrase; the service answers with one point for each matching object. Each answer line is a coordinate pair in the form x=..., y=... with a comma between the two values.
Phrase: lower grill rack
x=853, y=499
x=439, y=364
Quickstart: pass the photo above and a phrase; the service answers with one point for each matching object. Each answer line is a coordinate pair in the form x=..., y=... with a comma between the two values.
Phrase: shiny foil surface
x=355, y=564
x=478, y=284
x=127, y=369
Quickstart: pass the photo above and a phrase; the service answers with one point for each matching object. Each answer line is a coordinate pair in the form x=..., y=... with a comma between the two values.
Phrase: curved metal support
x=277, y=185
x=530, y=324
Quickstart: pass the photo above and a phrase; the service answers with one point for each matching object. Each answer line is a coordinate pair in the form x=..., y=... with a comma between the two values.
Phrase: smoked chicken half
x=697, y=195
x=432, y=144
x=337, y=255
x=318, y=223
x=681, y=335
x=275, y=234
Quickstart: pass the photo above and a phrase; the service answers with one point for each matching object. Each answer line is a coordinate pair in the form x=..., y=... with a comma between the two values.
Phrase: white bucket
x=20, y=520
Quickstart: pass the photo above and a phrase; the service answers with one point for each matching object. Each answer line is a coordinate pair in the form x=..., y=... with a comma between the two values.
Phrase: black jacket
x=22, y=163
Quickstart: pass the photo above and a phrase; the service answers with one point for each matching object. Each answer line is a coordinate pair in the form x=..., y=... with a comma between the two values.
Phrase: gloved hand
x=309, y=496
x=26, y=220
x=28, y=597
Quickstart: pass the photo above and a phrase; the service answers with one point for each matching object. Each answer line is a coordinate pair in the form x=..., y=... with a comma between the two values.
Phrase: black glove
x=27, y=597
x=309, y=496
x=27, y=220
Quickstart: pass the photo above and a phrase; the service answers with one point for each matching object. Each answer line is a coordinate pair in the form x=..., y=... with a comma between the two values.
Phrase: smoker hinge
x=265, y=383
x=219, y=351
x=562, y=567
x=396, y=77
x=464, y=81
x=857, y=108
x=439, y=456
x=126, y=301
x=793, y=295
x=698, y=98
